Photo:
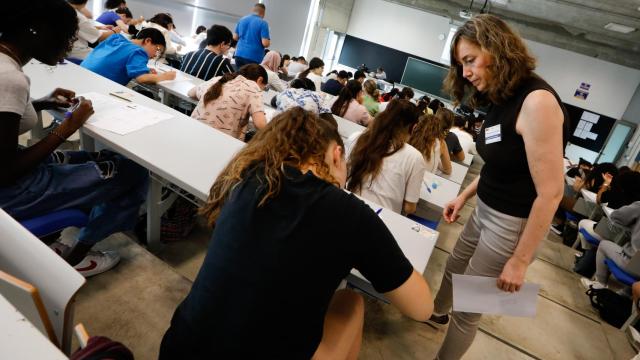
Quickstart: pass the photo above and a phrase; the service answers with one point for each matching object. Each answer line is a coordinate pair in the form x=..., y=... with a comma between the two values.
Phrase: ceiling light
x=465, y=14
x=500, y=2
x=619, y=28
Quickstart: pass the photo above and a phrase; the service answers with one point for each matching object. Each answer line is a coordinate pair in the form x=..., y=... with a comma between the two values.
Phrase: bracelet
x=55, y=133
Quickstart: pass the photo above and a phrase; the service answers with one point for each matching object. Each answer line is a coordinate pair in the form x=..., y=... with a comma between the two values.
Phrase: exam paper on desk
x=119, y=116
x=479, y=294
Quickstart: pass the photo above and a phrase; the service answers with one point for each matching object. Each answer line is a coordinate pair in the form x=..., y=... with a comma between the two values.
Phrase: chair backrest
x=26, y=299
x=26, y=257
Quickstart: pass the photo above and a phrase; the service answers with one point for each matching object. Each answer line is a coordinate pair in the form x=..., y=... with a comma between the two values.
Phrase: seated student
x=349, y=104
x=333, y=74
x=301, y=94
x=435, y=105
x=297, y=66
x=360, y=76
x=383, y=167
x=284, y=64
x=620, y=191
x=406, y=94
x=314, y=72
x=88, y=33
x=281, y=218
x=456, y=152
x=371, y=95
x=386, y=97
x=423, y=106
x=117, y=14
x=226, y=103
x=176, y=37
x=210, y=62
x=627, y=216
x=593, y=181
x=200, y=35
x=39, y=179
x=163, y=23
x=464, y=137
x=332, y=86
x=121, y=60
x=380, y=74
x=428, y=138
x=271, y=63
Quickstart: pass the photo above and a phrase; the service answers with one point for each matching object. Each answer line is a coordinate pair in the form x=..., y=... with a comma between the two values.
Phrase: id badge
x=492, y=134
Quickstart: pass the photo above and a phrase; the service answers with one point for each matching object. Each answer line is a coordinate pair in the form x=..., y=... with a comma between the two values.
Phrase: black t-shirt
x=270, y=272
x=453, y=143
x=332, y=87
x=505, y=182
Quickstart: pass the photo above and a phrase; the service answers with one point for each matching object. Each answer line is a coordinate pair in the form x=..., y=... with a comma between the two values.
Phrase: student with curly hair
x=277, y=208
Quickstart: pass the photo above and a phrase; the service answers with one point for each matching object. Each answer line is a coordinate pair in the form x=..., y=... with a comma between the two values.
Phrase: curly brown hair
x=295, y=138
x=385, y=136
x=511, y=61
x=431, y=128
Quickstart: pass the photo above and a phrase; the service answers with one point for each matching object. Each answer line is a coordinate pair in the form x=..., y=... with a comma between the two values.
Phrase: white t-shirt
x=296, y=68
x=434, y=163
x=14, y=93
x=465, y=139
x=317, y=80
x=274, y=81
x=87, y=34
x=399, y=180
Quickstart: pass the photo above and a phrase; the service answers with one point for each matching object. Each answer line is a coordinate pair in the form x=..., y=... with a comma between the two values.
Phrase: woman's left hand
x=59, y=98
x=512, y=276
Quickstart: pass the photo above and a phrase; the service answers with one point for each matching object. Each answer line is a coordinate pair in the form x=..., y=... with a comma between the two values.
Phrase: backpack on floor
x=613, y=308
x=586, y=264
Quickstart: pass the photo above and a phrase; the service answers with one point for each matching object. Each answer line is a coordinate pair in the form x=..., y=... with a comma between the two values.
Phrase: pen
x=119, y=96
x=378, y=211
x=427, y=186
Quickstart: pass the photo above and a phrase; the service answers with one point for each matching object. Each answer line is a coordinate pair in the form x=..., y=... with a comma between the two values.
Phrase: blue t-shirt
x=108, y=18
x=117, y=59
x=251, y=29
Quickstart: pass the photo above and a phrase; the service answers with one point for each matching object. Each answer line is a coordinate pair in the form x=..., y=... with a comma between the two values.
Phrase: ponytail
x=315, y=63
x=249, y=71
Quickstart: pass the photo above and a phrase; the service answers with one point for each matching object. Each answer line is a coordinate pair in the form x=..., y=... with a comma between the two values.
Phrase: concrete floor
x=134, y=303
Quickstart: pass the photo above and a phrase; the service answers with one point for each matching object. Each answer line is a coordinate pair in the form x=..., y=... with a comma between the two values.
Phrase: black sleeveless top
x=505, y=183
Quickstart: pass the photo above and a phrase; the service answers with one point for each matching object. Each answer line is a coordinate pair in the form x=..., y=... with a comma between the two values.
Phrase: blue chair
x=620, y=274
x=432, y=224
x=52, y=223
x=590, y=238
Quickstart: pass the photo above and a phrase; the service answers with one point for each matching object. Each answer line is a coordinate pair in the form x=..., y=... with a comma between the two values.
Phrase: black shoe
x=438, y=321
x=557, y=229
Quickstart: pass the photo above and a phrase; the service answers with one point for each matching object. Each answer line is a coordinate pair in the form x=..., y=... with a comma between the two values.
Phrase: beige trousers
x=487, y=241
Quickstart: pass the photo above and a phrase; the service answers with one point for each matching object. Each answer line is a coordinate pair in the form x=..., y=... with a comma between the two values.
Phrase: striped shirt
x=205, y=64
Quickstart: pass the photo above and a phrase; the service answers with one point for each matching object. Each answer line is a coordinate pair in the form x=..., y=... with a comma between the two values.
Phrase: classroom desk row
x=186, y=155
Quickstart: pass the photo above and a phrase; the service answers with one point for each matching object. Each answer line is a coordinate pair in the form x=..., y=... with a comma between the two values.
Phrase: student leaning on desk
x=39, y=179
x=121, y=60
x=521, y=182
x=285, y=236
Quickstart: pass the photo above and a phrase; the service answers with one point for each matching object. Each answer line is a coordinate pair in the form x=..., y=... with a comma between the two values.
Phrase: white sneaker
x=59, y=248
x=592, y=284
x=97, y=262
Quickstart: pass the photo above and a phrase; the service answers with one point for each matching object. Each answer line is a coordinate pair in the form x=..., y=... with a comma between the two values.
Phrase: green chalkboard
x=425, y=76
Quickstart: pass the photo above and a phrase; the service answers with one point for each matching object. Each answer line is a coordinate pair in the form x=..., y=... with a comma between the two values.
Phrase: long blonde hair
x=511, y=61
x=295, y=137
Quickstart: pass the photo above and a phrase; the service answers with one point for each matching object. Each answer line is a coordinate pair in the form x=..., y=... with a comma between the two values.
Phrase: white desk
x=438, y=191
x=20, y=340
x=458, y=173
x=468, y=158
x=589, y=196
x=179, y=150
x=179, y=87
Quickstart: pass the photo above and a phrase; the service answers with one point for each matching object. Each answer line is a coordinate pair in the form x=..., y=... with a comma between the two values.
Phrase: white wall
x=287, y=20
x=632, y=113
x=417, y=32
x=399, y=27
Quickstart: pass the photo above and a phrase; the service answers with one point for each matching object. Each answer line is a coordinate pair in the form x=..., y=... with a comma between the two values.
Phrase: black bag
x=586, y=264
x=613, y=308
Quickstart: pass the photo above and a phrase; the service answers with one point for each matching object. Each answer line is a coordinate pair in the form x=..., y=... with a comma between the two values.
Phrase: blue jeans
x=107, y=184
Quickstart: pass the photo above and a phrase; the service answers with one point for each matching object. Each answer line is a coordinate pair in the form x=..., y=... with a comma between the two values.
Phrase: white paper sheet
x=479, y=294
x=119, y=116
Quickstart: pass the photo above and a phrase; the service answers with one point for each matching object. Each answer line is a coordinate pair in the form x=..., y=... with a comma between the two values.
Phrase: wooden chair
x=25, y=257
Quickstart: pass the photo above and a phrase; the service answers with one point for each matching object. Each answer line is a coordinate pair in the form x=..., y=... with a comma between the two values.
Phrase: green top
x=373, y=107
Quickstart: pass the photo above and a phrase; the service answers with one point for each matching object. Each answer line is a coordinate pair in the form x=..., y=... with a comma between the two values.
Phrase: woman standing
x=521, y=183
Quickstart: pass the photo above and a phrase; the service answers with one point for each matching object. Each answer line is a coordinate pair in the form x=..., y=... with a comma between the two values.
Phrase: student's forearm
x=542, y=211
x=28, y=159
x=459, y=156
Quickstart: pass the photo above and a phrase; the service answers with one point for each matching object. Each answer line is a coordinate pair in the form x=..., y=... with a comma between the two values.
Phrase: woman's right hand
x=452, y=209
x=78, y=117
